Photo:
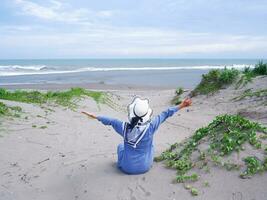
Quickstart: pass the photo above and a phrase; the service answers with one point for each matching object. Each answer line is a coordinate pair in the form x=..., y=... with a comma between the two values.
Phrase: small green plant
x=223, y=136
x=179, y=91
x=215, y=80
x=17, y=115
x=4, y=109
x=185, y=178
x=249, y=73
x=194, y=191
x=16, y=108
x=43, y=127
x=12, y=111
x=246, y=76
x=260, y=69
x=34, y=126
x=254, y=166
x=177, y=98
x=206, y=184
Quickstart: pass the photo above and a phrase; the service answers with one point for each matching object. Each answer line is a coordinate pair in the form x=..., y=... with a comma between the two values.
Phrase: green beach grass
x=248, y=74
x=6, y=110
x=217, y=79
x=66, y=98
x=249, y=93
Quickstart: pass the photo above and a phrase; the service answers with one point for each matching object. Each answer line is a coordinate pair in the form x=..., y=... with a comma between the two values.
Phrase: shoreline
x=93, y=86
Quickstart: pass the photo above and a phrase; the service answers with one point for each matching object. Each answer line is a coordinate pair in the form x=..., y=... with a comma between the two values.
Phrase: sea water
x=138, y=72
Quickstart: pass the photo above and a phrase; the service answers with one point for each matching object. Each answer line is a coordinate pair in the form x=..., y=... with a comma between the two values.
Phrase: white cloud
x=129, y=42
x=99, y=40
x=15, y=29
x=57, y=11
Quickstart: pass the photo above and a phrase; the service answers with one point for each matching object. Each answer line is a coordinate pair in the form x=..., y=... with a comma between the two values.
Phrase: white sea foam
x=17, y=70
x=21, y=68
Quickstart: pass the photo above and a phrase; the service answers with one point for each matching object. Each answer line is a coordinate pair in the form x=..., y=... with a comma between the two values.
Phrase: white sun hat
x=139, y=108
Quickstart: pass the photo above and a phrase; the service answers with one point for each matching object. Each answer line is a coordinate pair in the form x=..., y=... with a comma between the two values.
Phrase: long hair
x=134, y=121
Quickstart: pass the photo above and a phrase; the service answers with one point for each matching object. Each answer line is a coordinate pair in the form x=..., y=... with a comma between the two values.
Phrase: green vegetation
x=194, y=191
x=9, y=110
x=215, y=80
x=177, y=99
x=63, y=98
x=4, y=109
x=213, y=144
x=260, y=69
x=248, y=74
x=67, y=99
x=206, y=184
x=183, y=178
x=179, y=91
x=254, y=166
x=43, y=127
x=249, y=93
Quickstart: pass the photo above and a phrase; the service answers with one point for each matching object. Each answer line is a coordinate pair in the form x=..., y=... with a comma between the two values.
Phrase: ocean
x=137, y=72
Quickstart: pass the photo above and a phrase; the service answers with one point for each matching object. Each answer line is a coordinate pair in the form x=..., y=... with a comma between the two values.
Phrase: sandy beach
x=68, y=156
x=67, y=67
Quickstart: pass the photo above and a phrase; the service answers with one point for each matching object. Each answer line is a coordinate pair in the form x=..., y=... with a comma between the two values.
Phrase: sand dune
x=75, y=157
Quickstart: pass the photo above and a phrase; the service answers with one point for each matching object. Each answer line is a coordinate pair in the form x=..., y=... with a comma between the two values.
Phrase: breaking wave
x=18, y=70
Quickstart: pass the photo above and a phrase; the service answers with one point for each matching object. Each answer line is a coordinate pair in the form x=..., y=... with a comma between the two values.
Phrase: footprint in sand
x=132, y=197
x=147, y=193
x=135, y=192
x=237, y=196
x=126, y=194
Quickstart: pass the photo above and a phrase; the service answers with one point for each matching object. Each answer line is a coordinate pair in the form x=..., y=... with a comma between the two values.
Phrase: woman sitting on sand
x=135, y=154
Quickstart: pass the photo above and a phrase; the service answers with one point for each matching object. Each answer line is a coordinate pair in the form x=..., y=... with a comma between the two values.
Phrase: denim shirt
x=137, y=160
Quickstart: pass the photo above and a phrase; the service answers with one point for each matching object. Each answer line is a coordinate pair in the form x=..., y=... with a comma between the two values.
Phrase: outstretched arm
x=162, y=117
x=117, y=125
x=168, y=113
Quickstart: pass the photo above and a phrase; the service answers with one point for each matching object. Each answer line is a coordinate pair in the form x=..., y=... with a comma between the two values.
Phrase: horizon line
x=136, y=58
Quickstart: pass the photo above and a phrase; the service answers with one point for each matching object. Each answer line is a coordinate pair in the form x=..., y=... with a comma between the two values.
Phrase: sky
x=133, y=29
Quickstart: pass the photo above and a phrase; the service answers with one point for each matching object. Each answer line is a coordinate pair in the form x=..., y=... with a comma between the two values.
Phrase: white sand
x=75, y=157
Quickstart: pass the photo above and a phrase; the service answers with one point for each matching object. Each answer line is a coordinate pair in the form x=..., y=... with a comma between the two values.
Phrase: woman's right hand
x=185, y=103
x=90, y=115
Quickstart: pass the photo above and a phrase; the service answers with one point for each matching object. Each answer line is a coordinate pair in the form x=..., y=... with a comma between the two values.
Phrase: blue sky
x=133, y=29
